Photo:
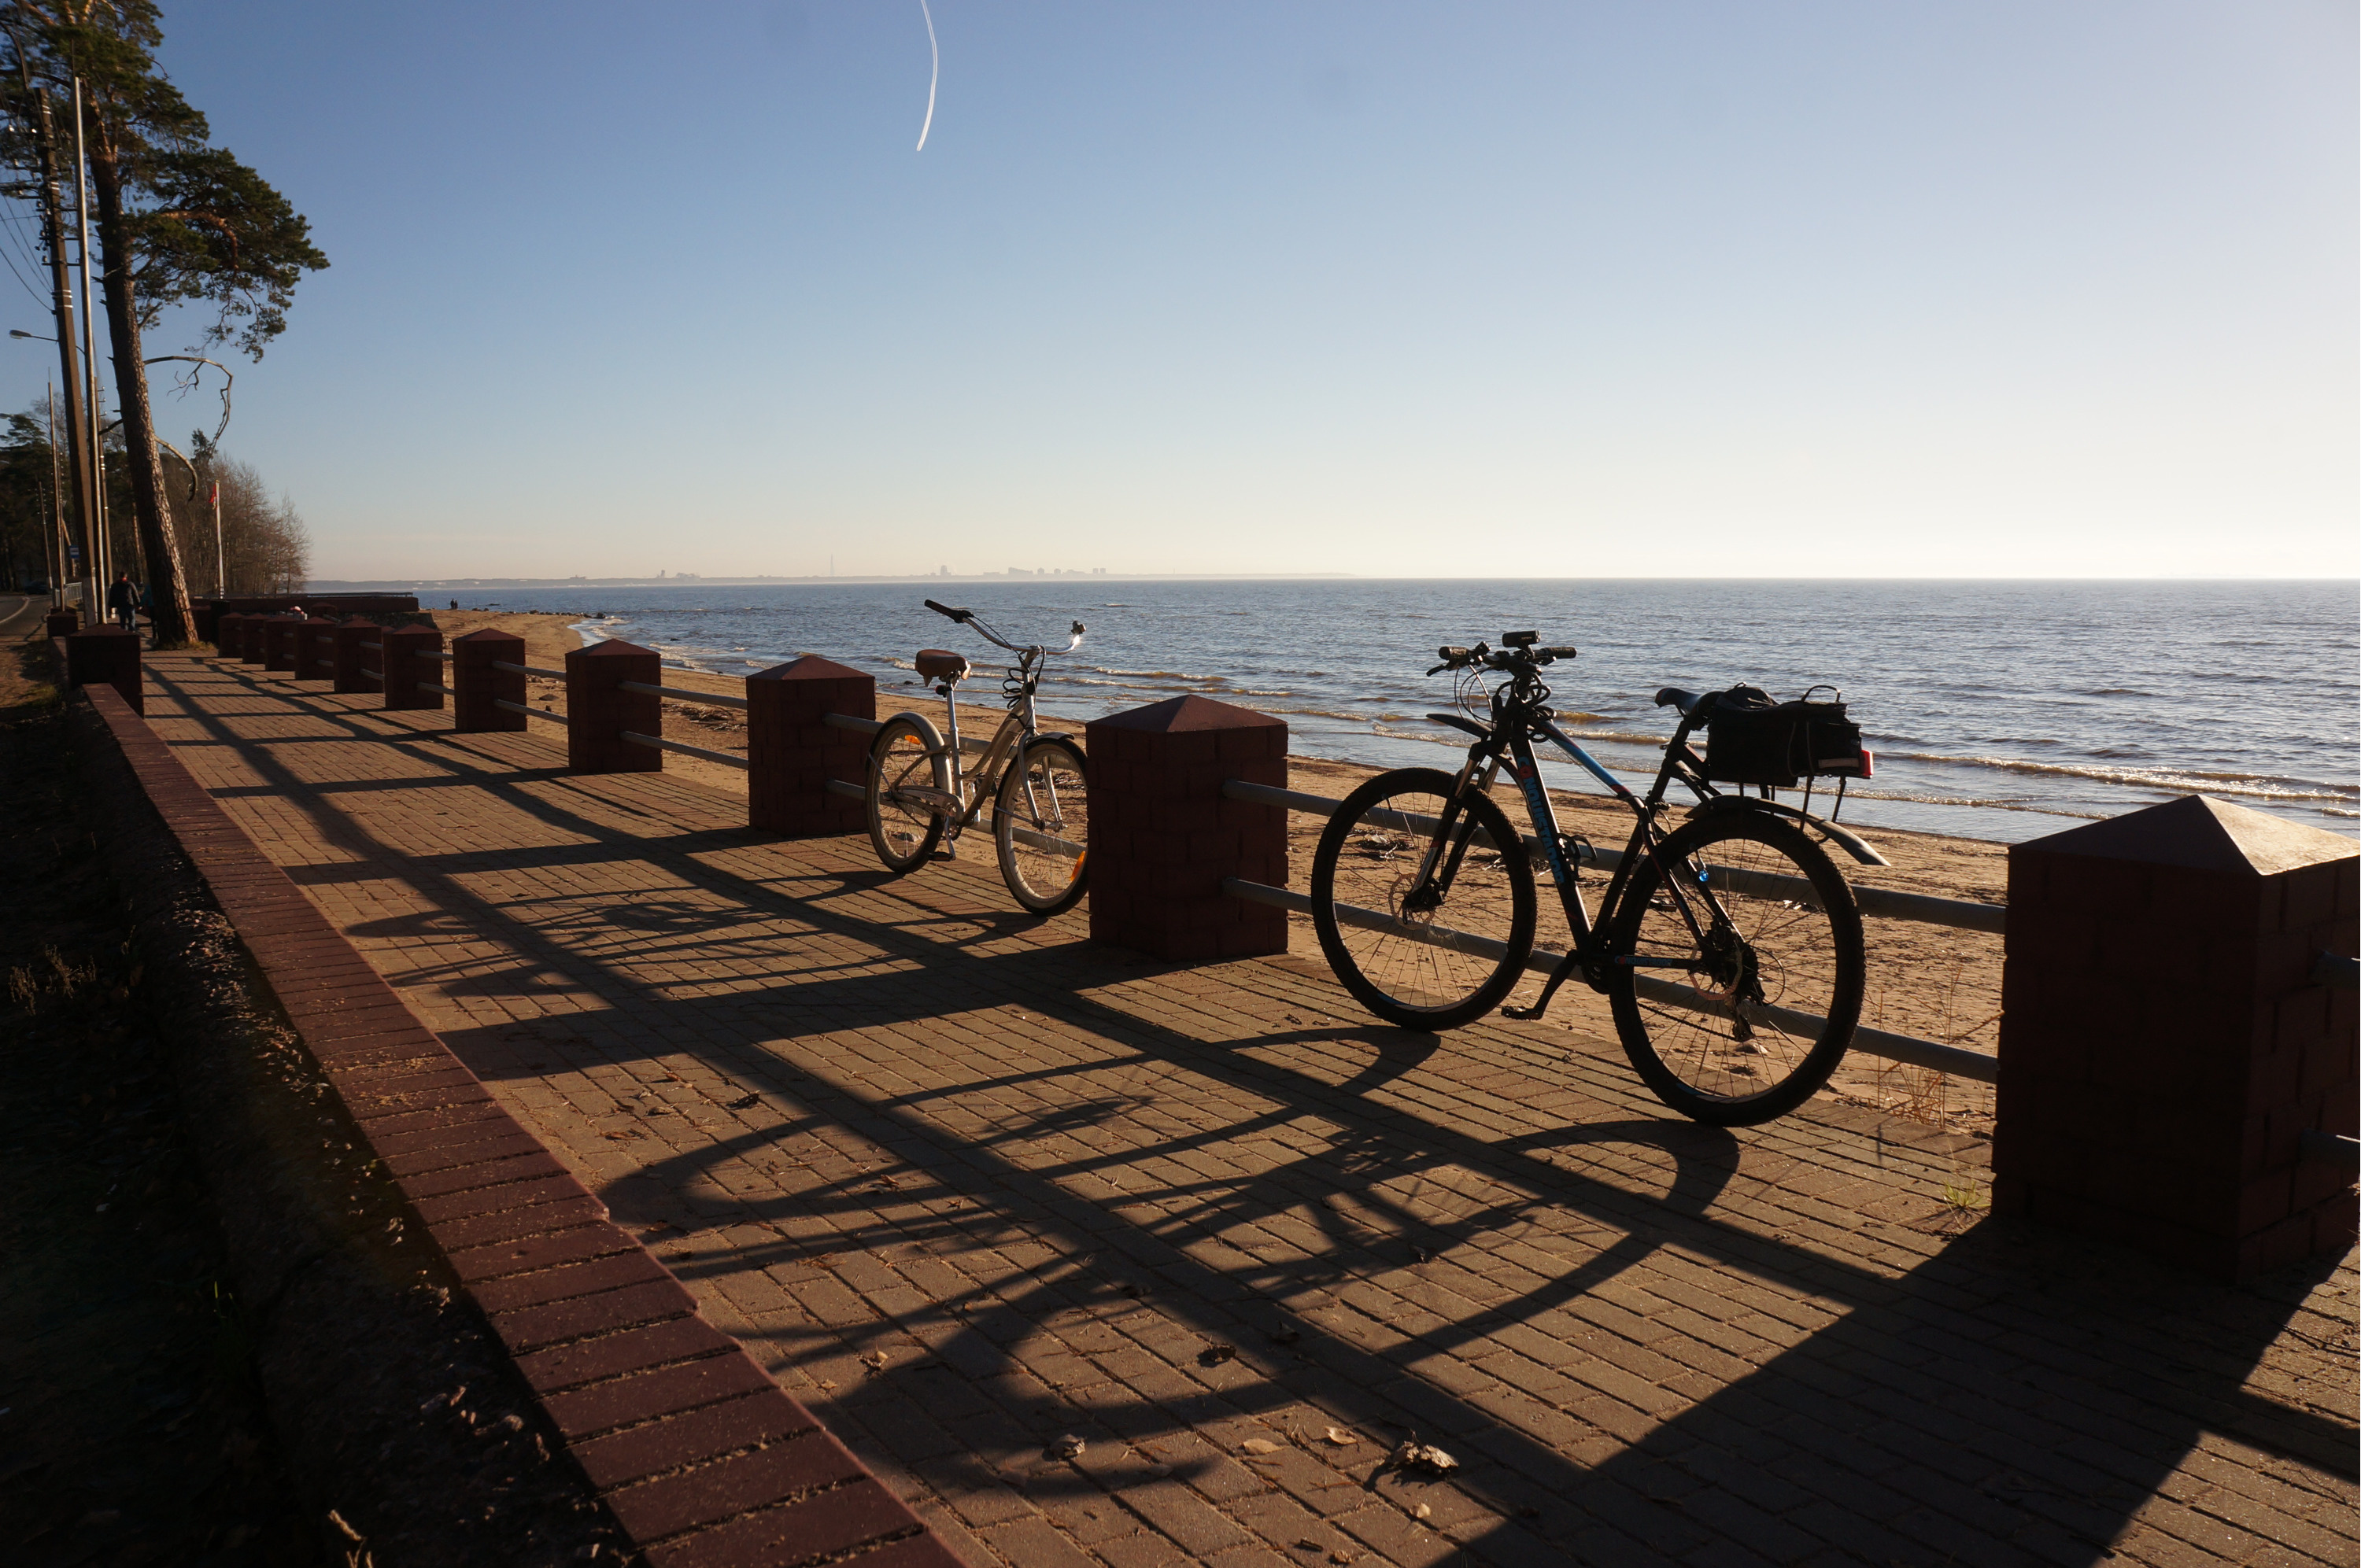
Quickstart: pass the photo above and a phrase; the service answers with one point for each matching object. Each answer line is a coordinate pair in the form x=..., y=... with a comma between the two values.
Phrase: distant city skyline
x=1806, y=291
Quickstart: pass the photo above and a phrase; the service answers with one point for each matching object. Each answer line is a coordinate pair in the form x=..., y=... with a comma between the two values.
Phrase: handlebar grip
x=959, y=615
x=1555, y=653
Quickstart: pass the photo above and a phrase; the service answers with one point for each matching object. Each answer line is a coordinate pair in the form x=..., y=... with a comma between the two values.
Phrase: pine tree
x=180, y=222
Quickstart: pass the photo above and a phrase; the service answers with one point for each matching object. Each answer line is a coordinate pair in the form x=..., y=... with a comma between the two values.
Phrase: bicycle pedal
x=948, y=852
x=1526, y=1014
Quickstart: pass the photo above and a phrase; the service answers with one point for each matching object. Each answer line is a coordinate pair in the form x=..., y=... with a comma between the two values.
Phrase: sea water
x=1999, y=710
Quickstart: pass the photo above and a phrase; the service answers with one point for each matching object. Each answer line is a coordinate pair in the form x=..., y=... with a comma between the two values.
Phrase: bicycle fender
x=1843, y=838
x=1458, y=722
x=926, y=728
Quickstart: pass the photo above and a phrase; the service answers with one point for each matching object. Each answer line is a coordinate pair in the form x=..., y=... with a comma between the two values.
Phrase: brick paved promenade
x=968, y=1185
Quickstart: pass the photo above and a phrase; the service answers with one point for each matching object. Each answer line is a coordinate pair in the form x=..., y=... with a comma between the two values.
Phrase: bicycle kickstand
x=1566, y=966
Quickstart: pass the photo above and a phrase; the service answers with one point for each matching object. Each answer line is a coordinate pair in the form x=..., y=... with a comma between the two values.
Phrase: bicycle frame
x=971, y=787
x=1509, y=738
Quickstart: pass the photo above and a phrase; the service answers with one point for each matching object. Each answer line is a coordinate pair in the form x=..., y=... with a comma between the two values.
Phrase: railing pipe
x=542, y=713
x=681, y=694
x=1960, y=914
x=1976, y=1066
x=2330, y=1148
x=658, y=742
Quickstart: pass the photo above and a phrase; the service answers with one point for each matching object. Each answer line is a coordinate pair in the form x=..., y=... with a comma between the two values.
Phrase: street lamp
x=37, y=338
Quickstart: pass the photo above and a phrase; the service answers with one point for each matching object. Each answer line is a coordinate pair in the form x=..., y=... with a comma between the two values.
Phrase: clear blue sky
x=1643, y=289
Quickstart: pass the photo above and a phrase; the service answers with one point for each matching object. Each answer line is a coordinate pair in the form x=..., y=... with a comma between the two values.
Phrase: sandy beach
x=1926, y=980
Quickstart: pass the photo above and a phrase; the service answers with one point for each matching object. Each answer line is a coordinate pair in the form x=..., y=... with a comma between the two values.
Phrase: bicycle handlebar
x=969, y=618
x=1517, y=658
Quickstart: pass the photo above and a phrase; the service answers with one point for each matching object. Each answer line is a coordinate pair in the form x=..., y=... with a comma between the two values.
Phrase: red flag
x=215, y=498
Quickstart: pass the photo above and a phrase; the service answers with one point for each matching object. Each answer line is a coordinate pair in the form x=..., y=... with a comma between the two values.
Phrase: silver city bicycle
x=919, y=795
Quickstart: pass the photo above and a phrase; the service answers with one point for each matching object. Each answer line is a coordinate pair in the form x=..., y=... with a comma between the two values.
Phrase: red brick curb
x=702, y=1459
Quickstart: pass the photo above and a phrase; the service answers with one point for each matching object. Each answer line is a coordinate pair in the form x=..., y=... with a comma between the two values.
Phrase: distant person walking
x=123, y=603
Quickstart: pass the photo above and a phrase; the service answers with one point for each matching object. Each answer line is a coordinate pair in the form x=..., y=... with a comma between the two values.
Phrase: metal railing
x=528, y=670
x=437, y=687
x=2330, y=1148
x=1979, y=1067
x=1963, y=914
x=851, y=791
x=872, y=725
x=681, y=694
x=1024, y=836
x=727, y=758
x=530, y=712
x=371, y=647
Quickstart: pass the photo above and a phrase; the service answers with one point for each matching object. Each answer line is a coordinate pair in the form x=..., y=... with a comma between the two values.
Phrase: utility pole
x=78, y=431
x=56, y=538
x=221, y=556
x=105, y=562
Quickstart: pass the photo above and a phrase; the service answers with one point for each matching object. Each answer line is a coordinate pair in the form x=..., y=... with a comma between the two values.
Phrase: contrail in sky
x=934, y=76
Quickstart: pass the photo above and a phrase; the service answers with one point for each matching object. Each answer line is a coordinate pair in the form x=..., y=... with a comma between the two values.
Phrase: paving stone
x=969, y=1131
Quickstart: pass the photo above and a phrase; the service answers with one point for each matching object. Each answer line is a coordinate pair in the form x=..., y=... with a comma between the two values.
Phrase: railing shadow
x=2020, y=1395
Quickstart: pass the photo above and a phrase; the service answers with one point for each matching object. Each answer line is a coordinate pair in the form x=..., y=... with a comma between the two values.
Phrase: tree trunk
x=79, y=437
x=167, y=587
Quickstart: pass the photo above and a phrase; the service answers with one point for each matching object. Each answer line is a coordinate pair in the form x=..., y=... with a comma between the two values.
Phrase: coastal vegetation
x=179, y=223
x=262, y=542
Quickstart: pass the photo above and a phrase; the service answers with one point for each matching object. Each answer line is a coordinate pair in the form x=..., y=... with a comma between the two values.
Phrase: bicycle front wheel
x=1737, y=980
x=1427, y=930
x=1041, y=824
x=909, y=784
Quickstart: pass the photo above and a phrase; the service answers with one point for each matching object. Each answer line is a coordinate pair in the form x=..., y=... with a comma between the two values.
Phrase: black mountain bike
x=1729, y=945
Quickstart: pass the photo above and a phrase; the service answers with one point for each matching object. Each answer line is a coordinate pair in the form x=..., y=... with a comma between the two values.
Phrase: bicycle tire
x=1045, y=791
x=1743, y=1052
x=906, y=750
x=1366, y=860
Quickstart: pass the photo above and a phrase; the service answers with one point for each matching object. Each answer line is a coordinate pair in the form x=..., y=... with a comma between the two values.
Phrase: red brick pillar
x=480, y=686
x=278, y=650
x=351, y=661
x=62, y=621
x=107, y=656
x=255, y=645
x=229, y=627
x=1163, y=839
x=311, y=643
x=406, y=664
x=597, y=710
x=792, y=751
x=2164, y=1044
x=204, y=619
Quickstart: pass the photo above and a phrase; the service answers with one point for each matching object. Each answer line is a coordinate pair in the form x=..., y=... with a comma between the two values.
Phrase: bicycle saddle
x=935, y=665
x=1672, y=696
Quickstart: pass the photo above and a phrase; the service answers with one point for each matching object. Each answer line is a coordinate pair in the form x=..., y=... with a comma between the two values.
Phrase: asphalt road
x=21, y=613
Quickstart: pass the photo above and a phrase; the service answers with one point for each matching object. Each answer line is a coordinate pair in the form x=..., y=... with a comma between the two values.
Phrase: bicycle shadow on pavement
x=2013, y=1396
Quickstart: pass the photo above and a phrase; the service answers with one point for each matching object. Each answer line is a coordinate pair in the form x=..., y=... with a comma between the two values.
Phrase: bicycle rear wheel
x=1735, y=1008
x=1431, y=957
x=909, y=778
x=1040, y=824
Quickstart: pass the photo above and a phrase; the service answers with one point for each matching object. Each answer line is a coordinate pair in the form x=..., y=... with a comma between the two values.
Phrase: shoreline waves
x=1999, y=711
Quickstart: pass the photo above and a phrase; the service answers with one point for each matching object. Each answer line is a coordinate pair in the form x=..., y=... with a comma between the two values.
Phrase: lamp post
x=57, y=497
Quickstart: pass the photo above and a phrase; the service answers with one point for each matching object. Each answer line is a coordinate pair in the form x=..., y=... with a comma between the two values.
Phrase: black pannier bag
x=1751, y=739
